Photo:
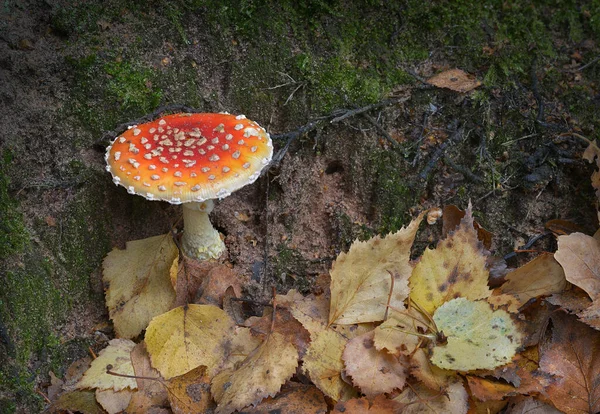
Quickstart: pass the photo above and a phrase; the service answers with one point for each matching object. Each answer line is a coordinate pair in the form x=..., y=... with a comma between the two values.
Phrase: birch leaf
x=421, y=400
x=118, y=355
x=579, y=255
x=139, y=286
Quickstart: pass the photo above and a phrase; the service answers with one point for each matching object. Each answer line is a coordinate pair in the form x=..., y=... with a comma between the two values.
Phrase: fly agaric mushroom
x=191, y=159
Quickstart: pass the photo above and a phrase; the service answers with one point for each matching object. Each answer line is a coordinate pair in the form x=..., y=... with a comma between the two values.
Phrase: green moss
x=289, y=262
x=13, y=235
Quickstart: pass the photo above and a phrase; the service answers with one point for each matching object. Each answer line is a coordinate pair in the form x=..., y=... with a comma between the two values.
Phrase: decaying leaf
x=323, y=363
x=190, y=392
x=150, y=392
x=431, y=376
x=591, y=315
x=117, y=355
x=528, y=405
x=259, y=376
x=374, y=372
x=378, y=405
x=579, y=255
x=77, y=401
x=361, y=279
x=593, y=151
x=485, y=389
x=542, y=276
x=138, y=280
x=456, y=268
x=452, y=217
x=572, y=355
x=419, y=399
x=187, y=337
x=241, y=344
x=397, y=335
x=293, y=399
x=114, y=402
x=311, y=311
x=455, y=80
x=562, y=227
x=477, y=336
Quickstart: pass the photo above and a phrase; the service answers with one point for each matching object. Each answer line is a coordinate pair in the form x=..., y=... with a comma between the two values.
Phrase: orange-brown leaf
x=579, y=255
x=190, y=392
x=293, y=399
x=456, y=80
x=378, y=405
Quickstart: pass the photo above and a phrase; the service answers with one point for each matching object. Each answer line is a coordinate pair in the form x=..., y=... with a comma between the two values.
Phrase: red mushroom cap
x=189, y=157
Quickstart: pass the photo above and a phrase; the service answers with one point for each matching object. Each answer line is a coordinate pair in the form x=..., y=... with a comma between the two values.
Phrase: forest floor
x=73, y=72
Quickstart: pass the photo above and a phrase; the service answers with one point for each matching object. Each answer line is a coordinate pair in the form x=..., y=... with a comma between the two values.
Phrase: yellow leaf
x=259, y=376
x=373, y=371
x=455, y=268
x=76, y=401
x=311, y=311
x=118, y=355
x=114, y=402
x=190, y=392
x=324, y=364
x=240, y=345
x=542, y=276
x=187, y=337
x=421, y=400
x=139, y=285
x=478, y=337
x=397, y=333
x=361, y=279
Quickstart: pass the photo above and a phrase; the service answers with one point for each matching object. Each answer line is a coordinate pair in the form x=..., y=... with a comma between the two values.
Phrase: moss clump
x=13, y=235
x=289, y=269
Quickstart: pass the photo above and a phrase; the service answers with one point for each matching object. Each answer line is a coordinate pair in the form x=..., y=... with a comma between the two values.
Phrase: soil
x=70, y=73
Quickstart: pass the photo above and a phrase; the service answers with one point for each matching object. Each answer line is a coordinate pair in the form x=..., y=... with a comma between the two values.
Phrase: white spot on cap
x=122, y=139
x=180, y=183
x=219, y=128
x=164, y=160
x=121, y=168
x=201, y=151
x=246, y=165
x=253, y=177
x=238, y=127
x=211, y=177
x=178, y=174
x=226, y=169
x=210, y=147
x=150, y=196
x=189, y=142
x=205, y=169
x=189, y=163
x=130, y=190
x=265, y=161
x=162, y=188
x=214, y=158
x=253, y=149
x=147, y=185
x=188, y=153
x=155, y=177
x=116, y=180
x=235, y=155
x=250, y=132
x=117, y=155
x=136, y=132
x=176, y=200
x=152, y=167
x=107, y=168
x=162, y=122
x=228, y=137
x=193, y=175
x=179, y=136
x=202, y=141
x=222, y=193
x=241, y=142
x=137, y=178
x=143, y=140
x=215, y=140
x=148, y=156
x=225, y=147
x=240, y=117
x=152, y=130
x=148, y=146
x=195, y=188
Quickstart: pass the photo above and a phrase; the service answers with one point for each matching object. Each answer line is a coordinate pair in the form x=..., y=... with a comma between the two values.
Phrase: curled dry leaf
x=190, y=392
x=456, y=268
x=477, y=336
x=572, y=355
x=138, y=280
x=374, y=372
x=542, y=276
x=117, y=355
x=418, y=399
x=293, y=399
x=455, y=80
x=323, y=363
x=361, y=280
x=187, y=337
x=378, y=405
x=579, y=255
x=259, y=376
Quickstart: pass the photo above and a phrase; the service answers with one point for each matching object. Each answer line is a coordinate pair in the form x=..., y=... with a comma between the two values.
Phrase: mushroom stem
x=200, y=240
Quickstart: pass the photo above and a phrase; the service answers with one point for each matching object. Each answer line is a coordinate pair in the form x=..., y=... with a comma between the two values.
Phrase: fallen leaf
x=562, y=227
x=150, y=393
x=579, y=255
x=455, y=80
x=114, y=402
x=572, y=356
x=591, y=315
x=259, y=376
x=55, y=388
x=117, y=355
x=399, y=334
x=138, y=283
x=374, y=372
x=379, y=405
x=361, y=279
x=431, y=376
x=485, y=407
x=456, y=268
x=190, y=392
x=419, y=399
x=591, y=152
x=293, y=399
x=77, y=401
x=485, y=389
x=187, y=277
x=187, y=337
x=542, y=276
x=311, y=311
x=477, y=336
x=574, y=300
x=241, y=344
x=323, y=363
x=452, y=216
x=213, y=288
x=529, y=405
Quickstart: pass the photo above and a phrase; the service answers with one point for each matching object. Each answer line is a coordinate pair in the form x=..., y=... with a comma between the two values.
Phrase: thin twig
x=590, y=63
x=464, y=171
x=381, y=130
x=456, y=136
x=367, y=108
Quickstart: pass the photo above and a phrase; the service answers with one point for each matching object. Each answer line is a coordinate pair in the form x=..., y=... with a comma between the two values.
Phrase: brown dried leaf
x=187, y=278
x=241, y=344
x=150, y=393
x=379, y=405
x=138, y=282
x=589, y=154
x=190, y=392
x=213, y=288
x=574, y=300
x=591, y=315
x=528, y=405
x=323, y=363
x=56, y=386
x=259, y=376
x=456, y=268
x=452, y=216
x=579, y=255
x=419, y=399
x=114, y=402
x=542, y=276
x=485, y=407
x=374, y=372
x=293, y=399
x=361, y=279
x=311, y=311
x=572, y=356
x=485, y=389
x=455, y=80
x=562, y=227
x=431, y=376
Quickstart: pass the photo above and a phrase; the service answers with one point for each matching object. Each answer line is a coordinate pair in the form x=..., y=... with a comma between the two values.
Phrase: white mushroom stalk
x=200, y=239
x=191, y=159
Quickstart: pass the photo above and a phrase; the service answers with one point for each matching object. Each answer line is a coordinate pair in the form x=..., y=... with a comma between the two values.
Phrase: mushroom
x=191, y=159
